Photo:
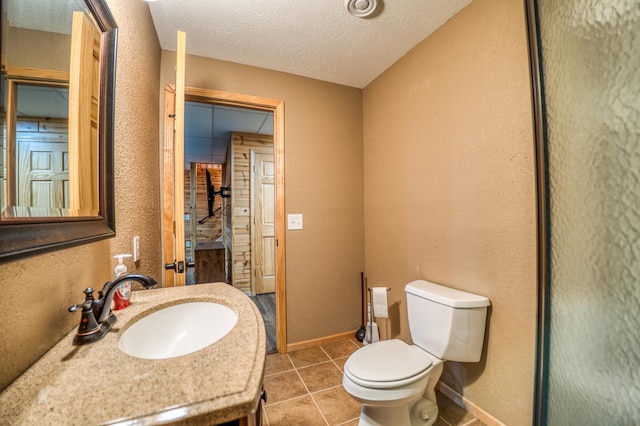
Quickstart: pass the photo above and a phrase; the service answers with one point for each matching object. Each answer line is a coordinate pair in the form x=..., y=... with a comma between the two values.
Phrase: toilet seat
x=387, y=364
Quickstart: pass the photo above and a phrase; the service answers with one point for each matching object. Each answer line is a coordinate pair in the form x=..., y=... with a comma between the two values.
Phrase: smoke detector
x=361, y=8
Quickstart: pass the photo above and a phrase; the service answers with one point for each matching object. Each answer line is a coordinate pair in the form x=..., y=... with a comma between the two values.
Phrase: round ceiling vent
x=361, y=8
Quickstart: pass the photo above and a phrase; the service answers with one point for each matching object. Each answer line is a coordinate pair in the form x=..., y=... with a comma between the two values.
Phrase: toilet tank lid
x=445, y=295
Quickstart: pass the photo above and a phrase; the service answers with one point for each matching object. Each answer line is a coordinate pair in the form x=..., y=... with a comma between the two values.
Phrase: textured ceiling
x=311, y=38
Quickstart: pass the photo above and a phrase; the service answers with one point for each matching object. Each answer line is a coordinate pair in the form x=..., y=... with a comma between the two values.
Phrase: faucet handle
x=88, y=292
x=89, y=327
x=74, y=308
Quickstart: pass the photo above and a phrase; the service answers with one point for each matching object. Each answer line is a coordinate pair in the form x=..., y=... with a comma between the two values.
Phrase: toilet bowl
x=394, y=381
x=389, y=378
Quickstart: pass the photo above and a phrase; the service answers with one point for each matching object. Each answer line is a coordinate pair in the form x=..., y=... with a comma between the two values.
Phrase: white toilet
x=395, y=382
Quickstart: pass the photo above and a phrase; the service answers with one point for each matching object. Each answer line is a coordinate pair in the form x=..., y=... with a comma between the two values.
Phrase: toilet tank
x=445, y=322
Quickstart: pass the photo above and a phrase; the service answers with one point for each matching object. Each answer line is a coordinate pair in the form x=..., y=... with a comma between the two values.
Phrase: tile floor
x=305, y=388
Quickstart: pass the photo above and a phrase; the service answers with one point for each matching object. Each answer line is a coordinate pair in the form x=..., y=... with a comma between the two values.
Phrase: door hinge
x=174, y=227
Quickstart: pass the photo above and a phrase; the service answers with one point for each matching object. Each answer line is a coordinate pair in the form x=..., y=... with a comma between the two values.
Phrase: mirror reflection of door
x=36, y=137
x=43, y=172
x=42, y=175
x=50, y=94
x=84, y=94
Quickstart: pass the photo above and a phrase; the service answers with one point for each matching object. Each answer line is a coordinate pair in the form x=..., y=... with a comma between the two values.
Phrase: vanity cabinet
x=219, y=382
x=255, y=419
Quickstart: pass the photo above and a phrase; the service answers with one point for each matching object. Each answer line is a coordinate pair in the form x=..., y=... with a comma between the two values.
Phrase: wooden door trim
x=252, y=221
x=253, y=102
x=167, y=182
x=178, y=159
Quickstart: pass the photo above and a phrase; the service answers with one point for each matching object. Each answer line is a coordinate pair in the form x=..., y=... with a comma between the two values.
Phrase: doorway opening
x=203, y=222
x=207, y=100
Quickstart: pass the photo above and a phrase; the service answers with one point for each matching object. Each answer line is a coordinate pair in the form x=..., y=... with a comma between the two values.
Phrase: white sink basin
x=177, y=330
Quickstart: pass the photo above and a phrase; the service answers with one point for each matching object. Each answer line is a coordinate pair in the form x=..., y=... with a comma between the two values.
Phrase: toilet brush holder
x=372, y=334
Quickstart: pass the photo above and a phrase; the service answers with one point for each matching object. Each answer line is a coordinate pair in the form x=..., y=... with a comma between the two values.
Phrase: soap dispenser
x=122, y=296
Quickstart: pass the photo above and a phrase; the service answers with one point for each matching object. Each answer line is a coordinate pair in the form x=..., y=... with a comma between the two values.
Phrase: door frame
x=239, y=101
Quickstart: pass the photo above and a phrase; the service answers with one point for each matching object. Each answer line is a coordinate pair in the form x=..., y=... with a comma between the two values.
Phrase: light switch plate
x=294, y=221
x=136, y=249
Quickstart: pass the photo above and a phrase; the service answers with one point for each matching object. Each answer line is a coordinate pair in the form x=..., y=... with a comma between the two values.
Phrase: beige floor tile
x=340, y=362
x=283, y=386
x=340, y=349
x=451, y=412
x=277, y=363
x=353, y=422
x=356, y=341
x=336, y=405
x=440, y=422
x=307, y=357
x=321, y=376
x=300, y=411
x=289, y=401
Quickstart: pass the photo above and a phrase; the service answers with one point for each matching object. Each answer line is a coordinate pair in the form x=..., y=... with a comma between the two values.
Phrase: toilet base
x=372, y=415
x=420, y=413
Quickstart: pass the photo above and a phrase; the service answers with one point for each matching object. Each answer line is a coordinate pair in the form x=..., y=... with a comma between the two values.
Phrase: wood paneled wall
x=211, y=229
x=237, y=238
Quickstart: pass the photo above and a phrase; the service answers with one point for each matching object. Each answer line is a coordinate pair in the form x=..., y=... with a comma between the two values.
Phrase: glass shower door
x=590, y=59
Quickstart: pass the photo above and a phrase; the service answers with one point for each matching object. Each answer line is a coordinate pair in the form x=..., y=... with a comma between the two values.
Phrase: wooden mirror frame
x=29, y=236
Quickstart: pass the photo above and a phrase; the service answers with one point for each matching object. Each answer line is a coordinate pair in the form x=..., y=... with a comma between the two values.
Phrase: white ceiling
x=311, y=38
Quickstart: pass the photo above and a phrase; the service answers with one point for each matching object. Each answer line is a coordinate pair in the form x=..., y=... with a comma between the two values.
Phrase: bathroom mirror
x=57, y=92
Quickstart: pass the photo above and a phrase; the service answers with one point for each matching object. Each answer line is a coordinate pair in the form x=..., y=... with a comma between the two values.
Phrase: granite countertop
x=99, y=384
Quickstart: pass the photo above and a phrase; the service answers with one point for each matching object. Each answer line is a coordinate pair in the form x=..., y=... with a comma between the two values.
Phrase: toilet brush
x=361, y=332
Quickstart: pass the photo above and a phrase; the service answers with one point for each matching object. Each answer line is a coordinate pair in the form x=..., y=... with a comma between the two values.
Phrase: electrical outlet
x=136, y=248
x=294, y=221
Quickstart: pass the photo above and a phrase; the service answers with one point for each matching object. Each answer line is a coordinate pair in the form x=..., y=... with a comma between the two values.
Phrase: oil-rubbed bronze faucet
x=97, y=317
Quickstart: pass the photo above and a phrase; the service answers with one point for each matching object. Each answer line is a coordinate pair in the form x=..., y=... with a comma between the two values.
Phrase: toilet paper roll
x=379, y=296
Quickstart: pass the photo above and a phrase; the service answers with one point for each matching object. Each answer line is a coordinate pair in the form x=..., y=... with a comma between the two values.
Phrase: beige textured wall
x=323, y=181
x=37, y=291
x=449, y=190
x=448, y=169
x=137, y=160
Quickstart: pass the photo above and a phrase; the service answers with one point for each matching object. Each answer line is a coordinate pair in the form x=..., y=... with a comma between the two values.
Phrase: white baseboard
x=469, y=406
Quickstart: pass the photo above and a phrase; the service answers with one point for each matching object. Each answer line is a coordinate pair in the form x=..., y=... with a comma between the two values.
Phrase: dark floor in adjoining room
x=266, y=303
